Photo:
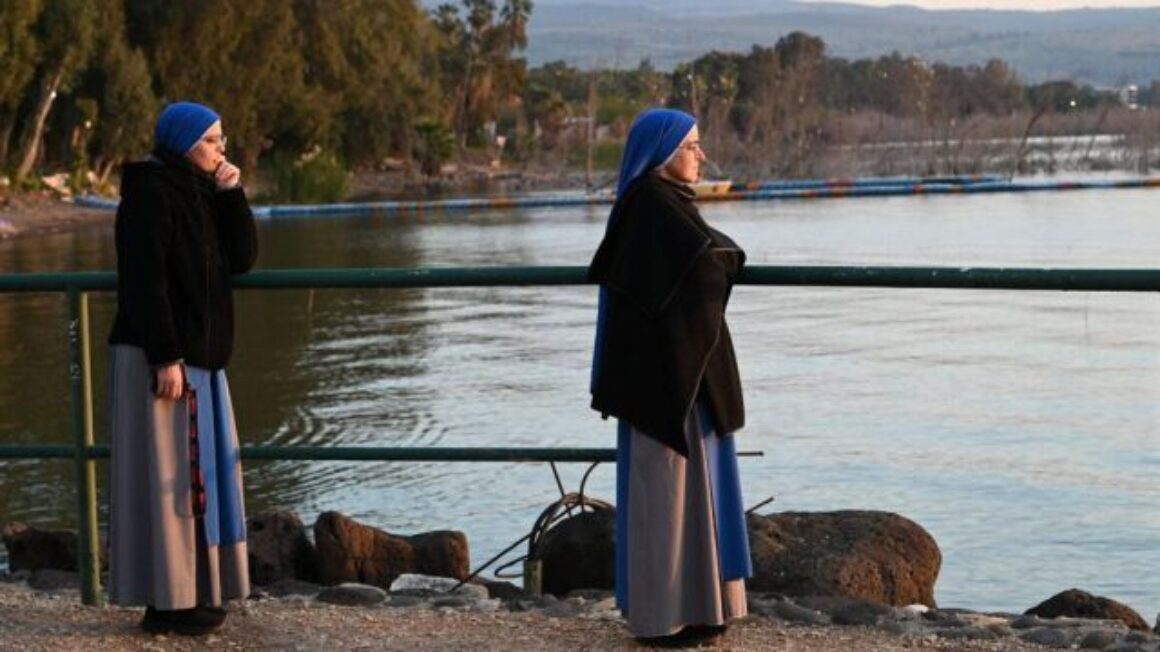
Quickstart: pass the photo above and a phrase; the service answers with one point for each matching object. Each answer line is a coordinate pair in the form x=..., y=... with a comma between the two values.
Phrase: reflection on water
x=1018, y=427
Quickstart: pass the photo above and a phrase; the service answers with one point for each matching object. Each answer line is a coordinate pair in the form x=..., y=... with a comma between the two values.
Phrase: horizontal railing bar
x=432, y=454
x=362, y=453
x=48, y=451
x=413, y=277
x=995, y=278
x=991, y=278
x=367, y=453
x=57, y=281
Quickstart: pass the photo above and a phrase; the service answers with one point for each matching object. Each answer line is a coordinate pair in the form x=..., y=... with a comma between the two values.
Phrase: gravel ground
x=32, y=621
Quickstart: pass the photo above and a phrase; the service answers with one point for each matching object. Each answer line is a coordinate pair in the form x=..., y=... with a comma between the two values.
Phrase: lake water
x=1022, y=429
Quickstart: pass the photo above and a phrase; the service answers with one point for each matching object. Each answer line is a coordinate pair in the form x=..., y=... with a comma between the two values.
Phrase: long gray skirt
x=674, y=574
x=158, y=550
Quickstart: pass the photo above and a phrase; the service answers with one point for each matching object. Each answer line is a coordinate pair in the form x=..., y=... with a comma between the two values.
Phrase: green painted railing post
x=80, y=378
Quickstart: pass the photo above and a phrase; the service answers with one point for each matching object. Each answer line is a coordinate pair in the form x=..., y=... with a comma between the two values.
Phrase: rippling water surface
x=1022, y=429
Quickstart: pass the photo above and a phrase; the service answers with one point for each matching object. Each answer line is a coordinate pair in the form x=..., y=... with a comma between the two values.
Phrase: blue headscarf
x=654, y=137
x=182, y=124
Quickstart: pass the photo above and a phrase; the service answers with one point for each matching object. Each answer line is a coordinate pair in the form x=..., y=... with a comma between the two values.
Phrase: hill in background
x=1103, y=47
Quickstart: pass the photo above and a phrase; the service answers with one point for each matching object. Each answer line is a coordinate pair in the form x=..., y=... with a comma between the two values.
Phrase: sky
x=1032, y=5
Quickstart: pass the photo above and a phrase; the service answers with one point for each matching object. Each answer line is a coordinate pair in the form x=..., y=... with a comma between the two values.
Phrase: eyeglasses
x=216, y=141
x=692, y=146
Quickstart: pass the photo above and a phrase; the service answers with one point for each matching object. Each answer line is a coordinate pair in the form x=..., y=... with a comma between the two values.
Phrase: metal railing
x=77, y=286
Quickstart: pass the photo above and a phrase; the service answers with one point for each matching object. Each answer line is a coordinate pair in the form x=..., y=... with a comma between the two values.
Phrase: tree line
x=364, y=80
x=368, y=83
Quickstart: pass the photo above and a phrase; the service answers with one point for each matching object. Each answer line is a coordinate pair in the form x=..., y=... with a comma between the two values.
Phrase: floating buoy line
x=706, y=191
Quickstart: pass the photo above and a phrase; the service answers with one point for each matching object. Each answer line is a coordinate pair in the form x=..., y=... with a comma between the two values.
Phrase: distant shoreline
x=42, y=213
x=38, y=214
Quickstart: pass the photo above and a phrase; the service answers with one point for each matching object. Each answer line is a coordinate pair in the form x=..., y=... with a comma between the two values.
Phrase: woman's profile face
x=685, y=166
x=210, y=151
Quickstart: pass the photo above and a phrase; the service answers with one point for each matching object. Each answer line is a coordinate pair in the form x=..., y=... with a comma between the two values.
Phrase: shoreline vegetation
x=317, y=99
x=51, y=209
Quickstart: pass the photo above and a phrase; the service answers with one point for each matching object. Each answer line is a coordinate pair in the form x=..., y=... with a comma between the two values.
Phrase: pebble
x=797, y=613
x=860, y=613
x=351, y=594
x=1048, y=636
x=1099, y=639
x=403, y=601
x=1128, y=647
x=1027, y=622
x=452, y=601
x=283, y=588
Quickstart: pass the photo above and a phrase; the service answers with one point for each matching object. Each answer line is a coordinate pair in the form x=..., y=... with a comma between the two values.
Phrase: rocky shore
x=38, y=214
x=39, y=612
x=828, y=581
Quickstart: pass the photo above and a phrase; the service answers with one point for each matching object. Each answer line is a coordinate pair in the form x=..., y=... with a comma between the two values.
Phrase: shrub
x=315, y=178
x=433, y=147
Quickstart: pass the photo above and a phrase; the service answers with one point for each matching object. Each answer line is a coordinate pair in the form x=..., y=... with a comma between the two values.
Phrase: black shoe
x=698, y=635
x=699, y=632
x=187, y=622
x=213, y=612
x=690, y=636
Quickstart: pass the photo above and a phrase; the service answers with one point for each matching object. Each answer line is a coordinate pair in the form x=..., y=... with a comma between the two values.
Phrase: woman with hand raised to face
x=177, y=535
x=664, y=365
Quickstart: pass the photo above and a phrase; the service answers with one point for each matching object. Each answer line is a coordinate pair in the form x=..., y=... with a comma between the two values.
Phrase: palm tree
x=515, y=15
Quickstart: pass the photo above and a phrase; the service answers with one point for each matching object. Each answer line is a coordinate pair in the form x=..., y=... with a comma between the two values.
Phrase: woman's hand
x=227, y=176
x=169, y=382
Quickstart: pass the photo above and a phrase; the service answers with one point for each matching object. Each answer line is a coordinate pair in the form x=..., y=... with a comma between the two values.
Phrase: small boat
x=712, y=188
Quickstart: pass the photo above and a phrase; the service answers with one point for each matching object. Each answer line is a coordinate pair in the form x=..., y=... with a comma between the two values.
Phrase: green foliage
x=1065, y=96
x=65, y=31
x=605, y=155
x=124, y=125
x=86, y=78
x=86, y=110
x=433, y=147
x=19, y=50
x=317, y=179
x=476, y=54
x=373, y=61
x=119, y=80
x=240, y=57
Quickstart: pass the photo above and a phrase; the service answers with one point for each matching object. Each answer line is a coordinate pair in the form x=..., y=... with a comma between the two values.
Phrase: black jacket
x=178, y=241
x=668, y=276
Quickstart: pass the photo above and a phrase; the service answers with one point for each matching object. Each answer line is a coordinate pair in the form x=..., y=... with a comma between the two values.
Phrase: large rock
x=348, y=551
x=428, y=585
x=1076, y=603
x=579, y=553
x=278, y=548
x=33, y=549
x=875, y=556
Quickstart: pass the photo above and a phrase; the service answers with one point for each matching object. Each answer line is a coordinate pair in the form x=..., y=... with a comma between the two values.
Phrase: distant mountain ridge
x=1102, y=47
